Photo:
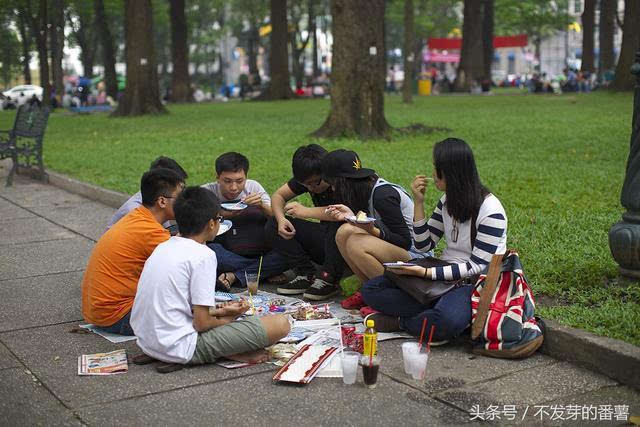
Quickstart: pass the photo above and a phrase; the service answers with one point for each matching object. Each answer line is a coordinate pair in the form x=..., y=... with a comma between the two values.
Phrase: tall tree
x=56, y=42
x=142, y=93
x=279, y=86
x=588, y=24
x=538, y=19
x=471, y=65
x=108, y=53
x=624, y=80
x=81, y=21
x=297, y=42
x=39, y=26
x=358, y=73
x=608, y=11
x=408, y=51
x=10, y=64
x=487, y=36
x=180, y=83
x=26, y=41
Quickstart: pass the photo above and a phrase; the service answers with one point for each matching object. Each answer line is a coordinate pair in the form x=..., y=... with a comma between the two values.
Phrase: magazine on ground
x=111, y=363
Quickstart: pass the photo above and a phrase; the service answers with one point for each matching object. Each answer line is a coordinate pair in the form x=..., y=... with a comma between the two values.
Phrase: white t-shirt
x=250, y=186
x=179, y=273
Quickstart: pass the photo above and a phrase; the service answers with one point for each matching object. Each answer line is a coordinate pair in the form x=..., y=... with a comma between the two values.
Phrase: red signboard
x=520, y=40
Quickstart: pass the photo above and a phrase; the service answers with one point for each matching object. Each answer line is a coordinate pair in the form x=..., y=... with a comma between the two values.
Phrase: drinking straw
x=341, y=344
x=433, y=327
x=424, y=326
x=259, y=269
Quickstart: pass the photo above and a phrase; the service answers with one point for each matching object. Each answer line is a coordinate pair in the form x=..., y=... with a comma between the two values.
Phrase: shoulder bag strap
x=486, y=295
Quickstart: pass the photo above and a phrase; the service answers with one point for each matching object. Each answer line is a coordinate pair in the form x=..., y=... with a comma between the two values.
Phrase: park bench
x=23, y=143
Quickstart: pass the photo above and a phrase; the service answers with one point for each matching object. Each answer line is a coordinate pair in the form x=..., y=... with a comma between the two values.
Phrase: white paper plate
x=224, y=227
x=231, y=206
x=352, y=218
x=398, y=264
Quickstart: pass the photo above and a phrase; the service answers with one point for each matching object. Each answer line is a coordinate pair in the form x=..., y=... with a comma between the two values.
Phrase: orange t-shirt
x=111, y=278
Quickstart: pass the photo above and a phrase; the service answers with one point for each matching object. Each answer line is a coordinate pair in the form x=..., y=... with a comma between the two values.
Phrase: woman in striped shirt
x=474, y=225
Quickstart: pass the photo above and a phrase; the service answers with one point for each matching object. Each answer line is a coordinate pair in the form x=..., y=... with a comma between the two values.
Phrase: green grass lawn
x=556, y=163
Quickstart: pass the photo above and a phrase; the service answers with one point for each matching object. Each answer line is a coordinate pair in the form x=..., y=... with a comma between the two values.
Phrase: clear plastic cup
x=252, y=283
x=418, y=364
x=349, y=366
x=408, y=348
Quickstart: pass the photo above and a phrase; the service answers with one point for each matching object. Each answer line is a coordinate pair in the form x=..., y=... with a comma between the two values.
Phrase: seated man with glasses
x=111, y=277
x=302, y=241
x=175, y=315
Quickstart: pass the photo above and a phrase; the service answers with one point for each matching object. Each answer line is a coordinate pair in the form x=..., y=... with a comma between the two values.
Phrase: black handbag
x=425, y=291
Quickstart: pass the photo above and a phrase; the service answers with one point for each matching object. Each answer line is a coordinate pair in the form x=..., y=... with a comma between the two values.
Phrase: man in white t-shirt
x=240, y=249
x=175, y=316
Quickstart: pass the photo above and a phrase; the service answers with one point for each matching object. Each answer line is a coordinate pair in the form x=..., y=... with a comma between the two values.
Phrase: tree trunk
x=314, y=43
x=588, y=24
x=471, y=65
x=624, y=80
x=487, y=37
x=608, y=9
x=108, y=54
x=87, y=44
x=142, y=94
x=39, y=27
x=279, y=87
x=252, y=51
x=407, y=50
x=25, y=39
x=358, y=74
x=56, y=41
x=180, y=83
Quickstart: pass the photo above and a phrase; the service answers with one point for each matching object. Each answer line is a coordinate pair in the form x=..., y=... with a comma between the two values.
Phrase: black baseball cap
x=345, y=164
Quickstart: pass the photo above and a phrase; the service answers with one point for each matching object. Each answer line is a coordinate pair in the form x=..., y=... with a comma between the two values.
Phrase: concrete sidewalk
x=46, y=238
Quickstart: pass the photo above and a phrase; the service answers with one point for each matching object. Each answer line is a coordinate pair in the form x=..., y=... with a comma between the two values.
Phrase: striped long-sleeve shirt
x=465, y=261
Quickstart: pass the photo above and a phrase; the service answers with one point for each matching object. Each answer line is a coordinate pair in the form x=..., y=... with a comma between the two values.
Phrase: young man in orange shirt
x=111, y=278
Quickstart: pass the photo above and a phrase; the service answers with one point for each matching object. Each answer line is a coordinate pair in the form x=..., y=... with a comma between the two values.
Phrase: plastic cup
x=370, y=368
x=418, y=364
x=407, y=349
x=252, y=282
x=349, y=366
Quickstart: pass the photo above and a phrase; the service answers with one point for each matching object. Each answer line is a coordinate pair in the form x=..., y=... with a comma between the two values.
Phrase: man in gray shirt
x=246, y=203
x=135, y=201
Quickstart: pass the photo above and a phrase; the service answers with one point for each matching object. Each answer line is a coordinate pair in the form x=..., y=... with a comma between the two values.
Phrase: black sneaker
x=321, y=290
x=295, y=287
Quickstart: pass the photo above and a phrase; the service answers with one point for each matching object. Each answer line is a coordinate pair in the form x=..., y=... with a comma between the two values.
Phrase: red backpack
x=502, y=311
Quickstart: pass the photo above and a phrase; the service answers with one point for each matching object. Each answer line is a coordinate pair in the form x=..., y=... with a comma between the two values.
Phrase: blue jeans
x=272, y=263
x=450, y=314
x=122, y=326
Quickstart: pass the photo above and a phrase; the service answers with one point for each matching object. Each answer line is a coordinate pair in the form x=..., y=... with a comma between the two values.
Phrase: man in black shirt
x=303, y=241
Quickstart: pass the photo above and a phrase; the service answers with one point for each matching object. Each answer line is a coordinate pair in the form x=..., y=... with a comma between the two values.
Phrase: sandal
x=165, y=368
x=224, y=282
x=143, y=359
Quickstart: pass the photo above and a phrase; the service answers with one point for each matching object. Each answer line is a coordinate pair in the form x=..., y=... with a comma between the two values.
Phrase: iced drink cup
x=350, y=366
x=252, y=283
x=418, y=364
x=407, y=349
x=370, y=369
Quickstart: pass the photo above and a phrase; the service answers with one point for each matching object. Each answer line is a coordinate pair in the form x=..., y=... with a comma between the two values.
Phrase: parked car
x=21, y=94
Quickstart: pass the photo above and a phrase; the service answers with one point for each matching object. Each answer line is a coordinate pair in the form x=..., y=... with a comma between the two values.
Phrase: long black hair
x=453, y=160
x=353, y=192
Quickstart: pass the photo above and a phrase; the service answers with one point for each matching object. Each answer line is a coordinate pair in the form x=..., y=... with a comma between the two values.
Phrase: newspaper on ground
x=111, y=363
x=114, y=338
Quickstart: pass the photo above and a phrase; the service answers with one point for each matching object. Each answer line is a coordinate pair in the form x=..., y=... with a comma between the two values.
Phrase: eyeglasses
x=219, y=218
